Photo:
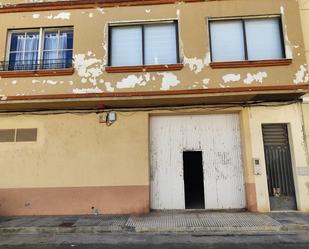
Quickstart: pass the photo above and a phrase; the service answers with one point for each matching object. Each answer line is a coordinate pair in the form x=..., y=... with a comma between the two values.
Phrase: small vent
x=26, y=135
x=18, y=135
x=7, y=135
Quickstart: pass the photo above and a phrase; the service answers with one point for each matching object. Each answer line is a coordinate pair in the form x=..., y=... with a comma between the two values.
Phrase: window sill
x=37, y=73
x=150, y=68
x=260, y=63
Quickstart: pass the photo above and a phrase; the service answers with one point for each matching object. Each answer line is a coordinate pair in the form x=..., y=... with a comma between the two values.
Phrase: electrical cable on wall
x=216, y=107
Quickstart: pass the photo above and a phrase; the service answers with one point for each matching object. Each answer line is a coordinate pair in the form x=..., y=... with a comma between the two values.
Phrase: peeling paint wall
x=91, y=49
x=302, y=74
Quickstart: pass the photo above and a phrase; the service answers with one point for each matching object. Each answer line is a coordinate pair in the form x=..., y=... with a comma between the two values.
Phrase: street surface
x=153, y=241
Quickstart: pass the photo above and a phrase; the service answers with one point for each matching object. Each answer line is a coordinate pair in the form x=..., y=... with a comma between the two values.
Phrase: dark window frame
x=243, y=20
x=40, y=61
x=142, y=25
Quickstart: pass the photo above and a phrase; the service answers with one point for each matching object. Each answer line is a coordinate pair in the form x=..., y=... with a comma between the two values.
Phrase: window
x=246, y=39
x=143, y=44
x=40, y=49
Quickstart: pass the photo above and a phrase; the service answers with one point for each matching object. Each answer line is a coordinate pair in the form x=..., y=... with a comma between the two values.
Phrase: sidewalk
x=160, y=222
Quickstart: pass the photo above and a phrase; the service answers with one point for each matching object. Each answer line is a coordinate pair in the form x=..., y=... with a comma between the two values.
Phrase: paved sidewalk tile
x=203, y=221
x=163, y=221
x=291, y=217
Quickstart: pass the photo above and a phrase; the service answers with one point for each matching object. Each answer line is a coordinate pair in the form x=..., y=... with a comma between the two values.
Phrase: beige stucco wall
x=292, y=115
x=304, y=14
x=90, y=49
x=75, y=150
x=305, y=109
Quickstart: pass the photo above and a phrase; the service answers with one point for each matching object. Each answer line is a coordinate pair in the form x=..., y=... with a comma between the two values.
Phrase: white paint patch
x=147, y=76
x=258, y=77
x=222, y=86
x=207, y=59
x=301, y=75
x=104, y=44
x=87, y=90
x=147, y=11
x=51, y=82
x=3, y=97
x=88, y=67
x=231, y=78
x=36, y=16
x=101, y=10
x=34, y=1
x=62, y=15
x=130, y=82
x=14, y=82
x=169, y=80
x=288, y=44
x=90, y=15
x=197, y=64
x=109, y=87
x=206, y=81
x=71, y=83
x=36, y=81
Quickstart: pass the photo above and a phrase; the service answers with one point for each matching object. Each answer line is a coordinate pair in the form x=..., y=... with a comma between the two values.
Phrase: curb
x=117, y=229
x=295, y=228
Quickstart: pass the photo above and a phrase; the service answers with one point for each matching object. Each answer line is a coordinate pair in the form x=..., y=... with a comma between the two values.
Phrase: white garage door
x=217, y=137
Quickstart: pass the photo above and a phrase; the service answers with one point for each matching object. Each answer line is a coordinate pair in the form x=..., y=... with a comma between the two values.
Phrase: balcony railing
x=34, y=65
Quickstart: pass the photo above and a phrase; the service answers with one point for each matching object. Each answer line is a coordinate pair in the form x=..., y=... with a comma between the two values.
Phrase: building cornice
x=301, y=87
x=83, y=4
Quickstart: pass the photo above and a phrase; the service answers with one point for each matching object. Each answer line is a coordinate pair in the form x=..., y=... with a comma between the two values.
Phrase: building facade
x=130, y=106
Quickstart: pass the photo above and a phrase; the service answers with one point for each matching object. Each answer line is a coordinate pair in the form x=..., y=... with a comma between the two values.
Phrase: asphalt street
x=153, y=241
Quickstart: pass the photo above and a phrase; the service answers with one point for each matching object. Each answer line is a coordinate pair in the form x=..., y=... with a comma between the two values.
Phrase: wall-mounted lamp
x=108, y=118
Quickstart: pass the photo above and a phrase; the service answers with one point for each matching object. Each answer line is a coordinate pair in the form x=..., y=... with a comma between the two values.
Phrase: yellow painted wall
x=292, y=116
x=305, y=109
x=75, y=150
x=304, y=14
x=91, y=37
